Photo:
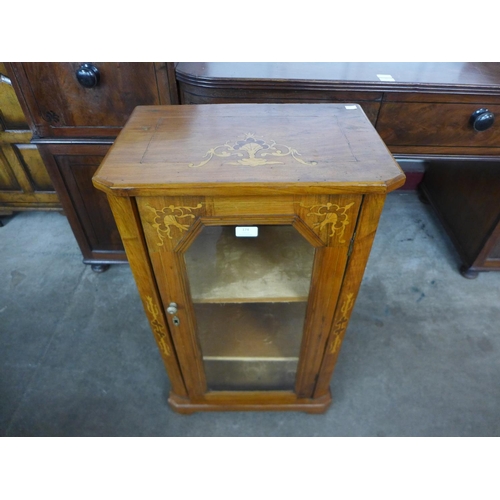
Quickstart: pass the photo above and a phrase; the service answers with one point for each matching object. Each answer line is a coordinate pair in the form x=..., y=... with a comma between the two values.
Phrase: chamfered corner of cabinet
x=395, y=182
x=103, y=184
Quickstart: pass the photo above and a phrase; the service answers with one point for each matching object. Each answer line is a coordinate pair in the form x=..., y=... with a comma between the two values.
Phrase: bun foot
x=99, y=268
x=468, y=273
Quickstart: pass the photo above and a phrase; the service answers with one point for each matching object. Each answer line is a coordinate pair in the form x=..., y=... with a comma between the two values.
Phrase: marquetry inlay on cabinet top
x=289, y=148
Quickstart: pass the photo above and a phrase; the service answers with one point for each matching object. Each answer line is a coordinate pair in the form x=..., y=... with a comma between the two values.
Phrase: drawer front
x=61, y=106
x=445, y=125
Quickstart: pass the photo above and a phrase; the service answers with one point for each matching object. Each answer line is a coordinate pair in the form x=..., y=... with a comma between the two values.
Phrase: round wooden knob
x=482, y=119
x=87, y=75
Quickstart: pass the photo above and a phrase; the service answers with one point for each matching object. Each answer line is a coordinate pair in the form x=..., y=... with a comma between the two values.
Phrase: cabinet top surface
x=417, y=76
x=243, y=149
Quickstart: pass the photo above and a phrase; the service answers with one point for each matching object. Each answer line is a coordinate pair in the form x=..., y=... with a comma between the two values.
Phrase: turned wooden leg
x=468, y=273
x=99, y=268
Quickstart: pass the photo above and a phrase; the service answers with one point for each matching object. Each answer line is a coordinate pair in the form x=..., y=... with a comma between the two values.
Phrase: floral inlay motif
x=341, y=324
x=169, y=217
x=252, y=151
x=331, y=214
x=157, y=327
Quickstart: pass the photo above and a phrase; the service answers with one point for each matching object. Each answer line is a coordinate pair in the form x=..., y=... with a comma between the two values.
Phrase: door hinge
x=351, y=245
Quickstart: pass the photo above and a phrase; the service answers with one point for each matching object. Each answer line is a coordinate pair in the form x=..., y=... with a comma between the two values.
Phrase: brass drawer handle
x=482, y=119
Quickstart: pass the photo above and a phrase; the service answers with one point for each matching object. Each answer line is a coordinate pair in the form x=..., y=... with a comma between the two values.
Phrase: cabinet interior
x=250, y=296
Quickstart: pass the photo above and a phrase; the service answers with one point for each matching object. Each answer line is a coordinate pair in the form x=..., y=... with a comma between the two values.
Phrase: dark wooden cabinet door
x=71, y=168
x=60, y=106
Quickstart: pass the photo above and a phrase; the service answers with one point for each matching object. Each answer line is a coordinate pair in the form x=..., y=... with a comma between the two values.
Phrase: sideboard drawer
x=406, y=125
x=87, y=99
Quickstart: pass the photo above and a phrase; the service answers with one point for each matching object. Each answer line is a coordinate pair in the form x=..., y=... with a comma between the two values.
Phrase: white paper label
x=351, y=107
x=247, y=231
x=386, y=78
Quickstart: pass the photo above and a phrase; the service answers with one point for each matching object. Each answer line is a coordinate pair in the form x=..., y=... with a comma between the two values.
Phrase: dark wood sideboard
x=75, y=111
x=422, y=111
x=437, y=119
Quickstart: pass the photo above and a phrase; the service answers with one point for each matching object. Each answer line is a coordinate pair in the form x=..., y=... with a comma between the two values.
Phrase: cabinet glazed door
x=250, y=285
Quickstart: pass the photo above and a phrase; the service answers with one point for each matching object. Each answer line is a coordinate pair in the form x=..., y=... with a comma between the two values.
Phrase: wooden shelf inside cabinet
x=248, y=323
x=274, y=266
x=261, y=330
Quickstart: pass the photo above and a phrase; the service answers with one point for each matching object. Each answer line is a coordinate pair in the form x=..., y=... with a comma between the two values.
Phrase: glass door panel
x=250, y=296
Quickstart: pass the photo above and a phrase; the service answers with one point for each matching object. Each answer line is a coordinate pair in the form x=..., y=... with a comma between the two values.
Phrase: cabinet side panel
x=167, y=84
x=495, y=253
x=33, y=165
x=11, y=113
x=465, y=197
x=24, y=181
x=333, y=220
x=127, y=220
x=8, y=180
x=71, y=168
x=365, y=234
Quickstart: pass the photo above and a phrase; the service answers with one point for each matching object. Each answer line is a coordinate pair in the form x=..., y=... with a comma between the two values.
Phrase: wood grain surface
x=249, y=149
x=249, y=324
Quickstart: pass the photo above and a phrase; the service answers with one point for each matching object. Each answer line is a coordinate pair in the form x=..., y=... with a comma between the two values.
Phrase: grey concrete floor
x=421, y=355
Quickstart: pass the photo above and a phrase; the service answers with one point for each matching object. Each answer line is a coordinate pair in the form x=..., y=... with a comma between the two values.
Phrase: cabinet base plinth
x=238, y=401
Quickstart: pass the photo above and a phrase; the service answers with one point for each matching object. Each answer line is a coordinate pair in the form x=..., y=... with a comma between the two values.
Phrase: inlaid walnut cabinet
x=248, y=228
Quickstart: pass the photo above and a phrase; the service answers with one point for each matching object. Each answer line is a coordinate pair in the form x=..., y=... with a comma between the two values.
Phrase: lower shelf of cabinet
x=241, y=373
x=250, y=401
x=251, y=346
